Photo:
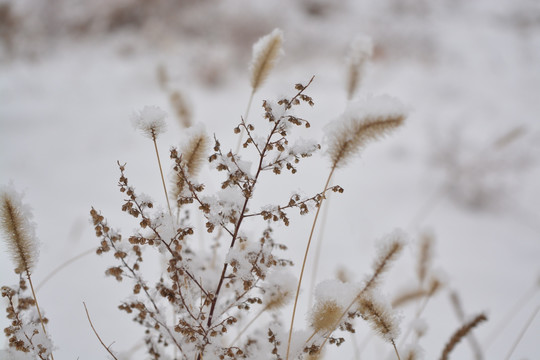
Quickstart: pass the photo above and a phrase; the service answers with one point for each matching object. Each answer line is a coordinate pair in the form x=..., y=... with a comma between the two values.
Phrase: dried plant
x=151, y=122
x=460, y=334
x=227, y=301
x=181, y=108
x=265, y=54
x=361, y=49
x=458, y=309
x=363, y=122
x=19, y=234
x=381, y=317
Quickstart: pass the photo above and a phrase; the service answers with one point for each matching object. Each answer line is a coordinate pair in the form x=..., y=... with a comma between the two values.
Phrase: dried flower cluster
x=230, y=300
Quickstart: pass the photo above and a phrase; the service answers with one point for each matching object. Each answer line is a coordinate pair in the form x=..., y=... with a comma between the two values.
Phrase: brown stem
x=395, y=348
x=97, y=335
x=304, y=263
x=242, y=213
x=37, y=307
x=318, y=252
x=162, y=178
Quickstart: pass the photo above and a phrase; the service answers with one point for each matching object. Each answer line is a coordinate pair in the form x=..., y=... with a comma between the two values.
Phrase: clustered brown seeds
x=17, y=307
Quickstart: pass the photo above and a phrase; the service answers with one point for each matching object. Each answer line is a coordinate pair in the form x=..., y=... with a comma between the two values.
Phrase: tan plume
x=388, y=250
x=193, y=156
x=325, y=315
x=19, y=234
x=266, y=52
x=460, y=334
x=361, y=49
x=364, y=121
x=18, y=230
x=380, y=315
x=408, y=296
x=181, y=107
x=425, y=255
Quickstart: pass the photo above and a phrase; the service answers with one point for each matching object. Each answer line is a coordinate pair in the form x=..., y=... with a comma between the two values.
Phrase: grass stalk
x=523, y=331
x=37, y=306
x=241, y=137
x=97, y=335
x=304, y=262
x=162, y=177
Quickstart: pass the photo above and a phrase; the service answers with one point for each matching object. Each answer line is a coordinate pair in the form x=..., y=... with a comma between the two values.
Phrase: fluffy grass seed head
x=360, y=50
x=388, y=249
x=182, y=108
x=325, y=315
x=332, y=298
x=194, y=152
x=280, y=287
x=266, y=52
x=195, y=149
x=18, y=230
x=460, y=333
x=150, y=121
x=365, y=120
x=377, y=311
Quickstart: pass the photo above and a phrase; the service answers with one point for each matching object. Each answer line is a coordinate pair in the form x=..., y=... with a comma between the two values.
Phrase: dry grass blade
x=522, y=332
x=460, y=334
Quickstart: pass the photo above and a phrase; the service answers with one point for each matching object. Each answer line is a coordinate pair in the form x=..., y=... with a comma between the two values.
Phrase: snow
x=150, y=121
x=464, y=67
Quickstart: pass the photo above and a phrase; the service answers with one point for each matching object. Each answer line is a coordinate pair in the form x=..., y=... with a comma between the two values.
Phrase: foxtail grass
x=19, y=235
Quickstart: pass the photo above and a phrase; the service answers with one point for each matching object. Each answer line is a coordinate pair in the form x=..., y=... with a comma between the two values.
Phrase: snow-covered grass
x=468, y=71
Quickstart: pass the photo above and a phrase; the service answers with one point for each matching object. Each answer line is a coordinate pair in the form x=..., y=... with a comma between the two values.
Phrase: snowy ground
x=469, y=72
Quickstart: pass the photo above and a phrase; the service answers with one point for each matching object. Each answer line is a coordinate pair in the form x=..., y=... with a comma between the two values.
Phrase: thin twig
x=97, y=335
x=523, y=331
x=162, y=178
x=37, y=306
